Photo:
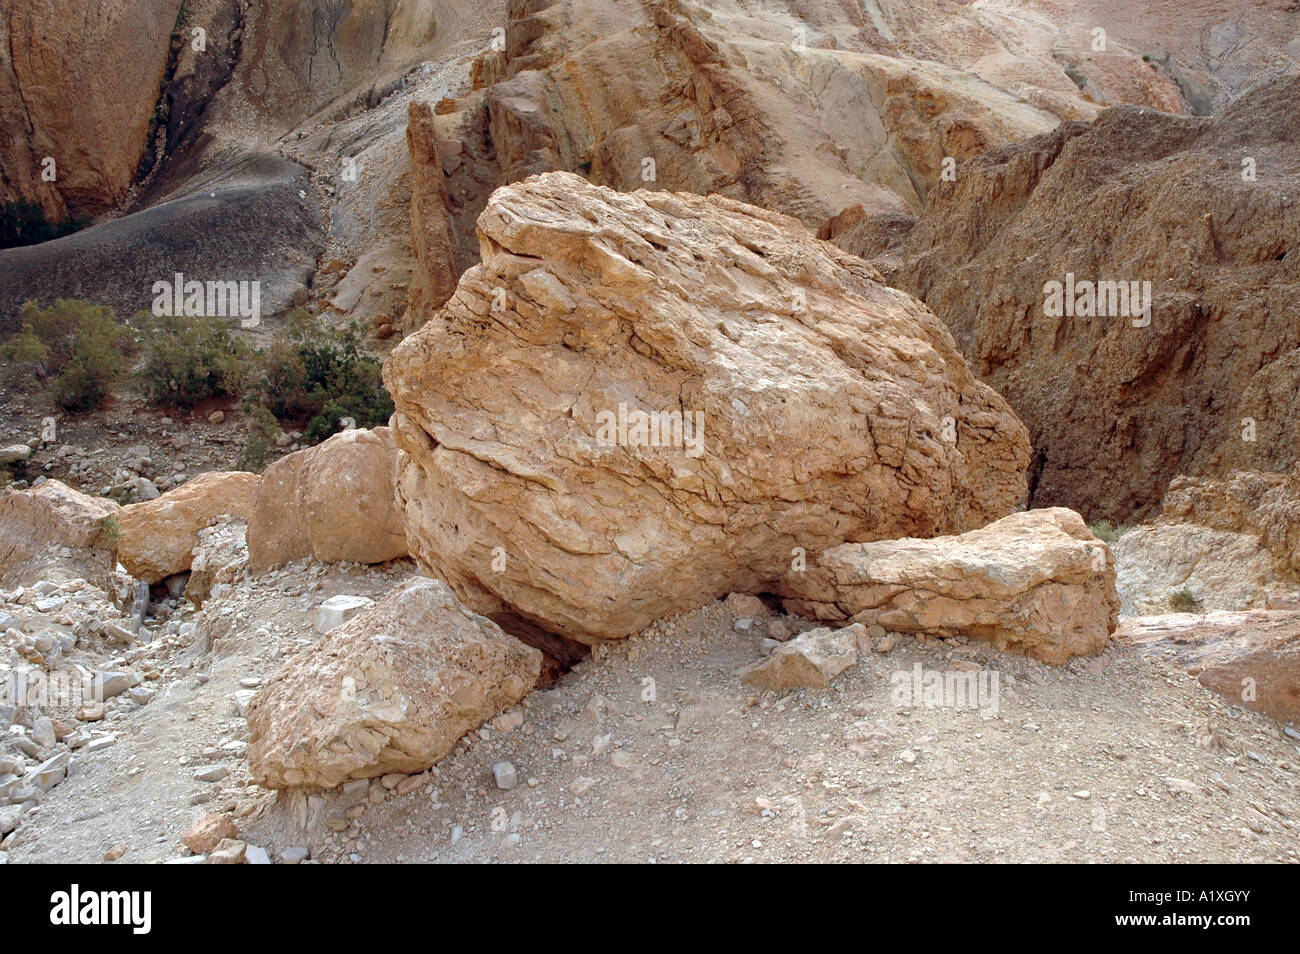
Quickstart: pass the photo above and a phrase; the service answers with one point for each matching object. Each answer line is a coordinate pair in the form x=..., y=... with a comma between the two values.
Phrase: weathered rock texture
x=1264, y=505
x=817, y=109
x=335, y=502
x=1036, y=582
x=78, y=83
x=221, y=556
x=1159, y=565
x=1231, y=544
x=437, y=265
x=391, y=690
x=57, y=530
x=298, y=58
x=810, y=660
x=1116, y=411
x=1251, y=658
x=714, y=98
x=159, y=535
x=828, y=408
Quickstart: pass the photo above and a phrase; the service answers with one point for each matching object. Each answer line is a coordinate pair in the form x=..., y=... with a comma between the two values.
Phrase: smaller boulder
x=391, y=690
x=1036, y=582
x=208, y=832
x=810, y=660
x=335, y=502
x=337, y=610
x=158, y=537
x=60, y=530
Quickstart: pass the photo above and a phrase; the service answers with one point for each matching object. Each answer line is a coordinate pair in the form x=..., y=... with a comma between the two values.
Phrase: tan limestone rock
x=810, y=660
x=56, y=527
x=159, y=535
x=391, y=690
x=1035, y=582
x=813, y=405
x=334, y=502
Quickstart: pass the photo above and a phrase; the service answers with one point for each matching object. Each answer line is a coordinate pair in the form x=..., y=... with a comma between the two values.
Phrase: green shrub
x=23, y=223
x=78, y=349
x=189, y=360
x=263, y=431
x=317, y=376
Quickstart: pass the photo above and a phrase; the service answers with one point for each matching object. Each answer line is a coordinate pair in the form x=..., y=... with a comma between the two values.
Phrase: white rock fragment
x=338, y=609
x=505, y=775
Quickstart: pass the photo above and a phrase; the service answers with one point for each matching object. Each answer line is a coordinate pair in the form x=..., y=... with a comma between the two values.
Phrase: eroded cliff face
x=111, y=90
x=78, y=84
x=658, y=95
x=238, y=169
x=842, y=116
x=1204, y=210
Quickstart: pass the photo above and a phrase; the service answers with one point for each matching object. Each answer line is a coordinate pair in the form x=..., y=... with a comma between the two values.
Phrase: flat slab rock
x=1036, y=582
x=1251, y=658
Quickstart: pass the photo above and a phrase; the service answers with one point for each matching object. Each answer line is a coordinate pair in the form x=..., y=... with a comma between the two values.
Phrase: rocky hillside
x=1200, y=211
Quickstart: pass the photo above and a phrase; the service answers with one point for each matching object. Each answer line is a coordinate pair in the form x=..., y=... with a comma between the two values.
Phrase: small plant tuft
x=1108, y=532
x=1185, y=601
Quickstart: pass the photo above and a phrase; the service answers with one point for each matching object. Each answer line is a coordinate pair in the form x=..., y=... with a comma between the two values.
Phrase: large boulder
x=797, y=402
x=335, y=502
x=55, y=531
x=159, y=535
x=1118, y=402
x=391, y=690
x=1251, y=658
x=1036, y=582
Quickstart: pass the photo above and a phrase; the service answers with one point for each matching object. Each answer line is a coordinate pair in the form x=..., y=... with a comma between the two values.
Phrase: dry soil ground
x=653, y=750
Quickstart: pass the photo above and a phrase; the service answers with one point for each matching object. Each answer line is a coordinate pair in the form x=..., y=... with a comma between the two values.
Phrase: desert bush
x=262, y=432
x=75, y=348
x=1185, y=601
x=316, y=376
x=188, y=360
